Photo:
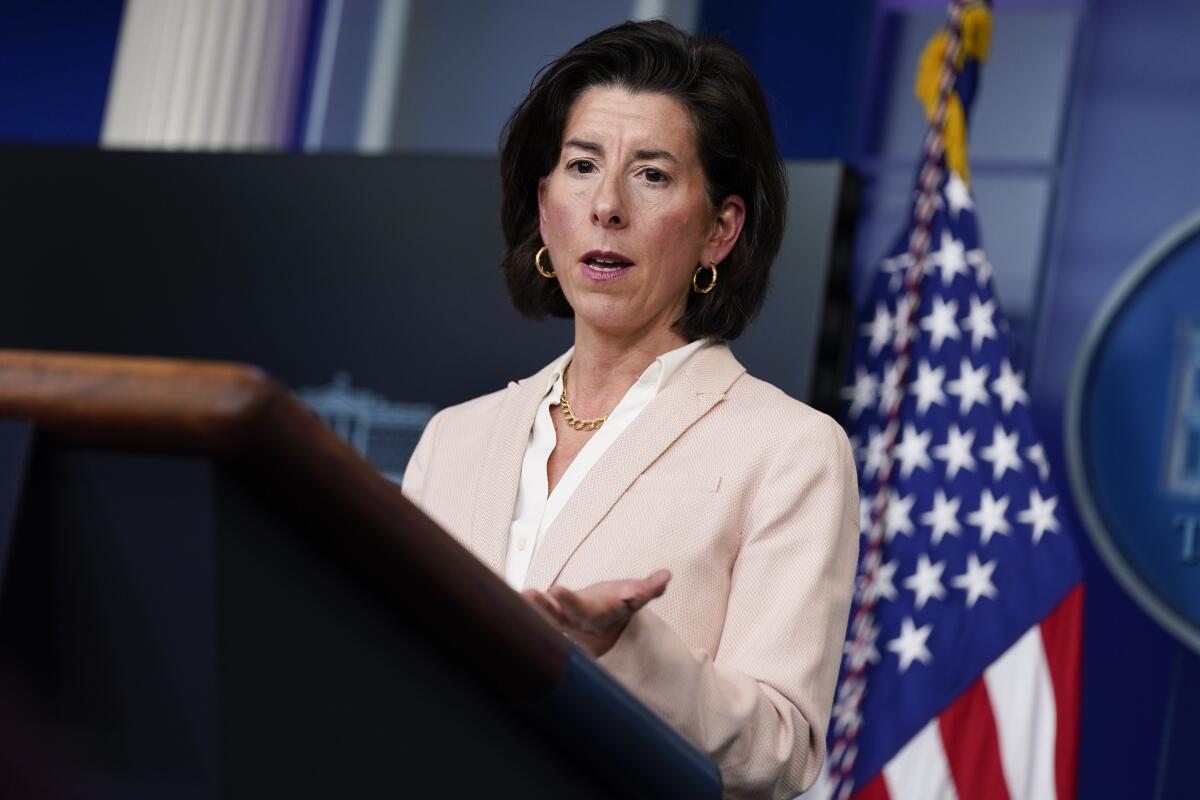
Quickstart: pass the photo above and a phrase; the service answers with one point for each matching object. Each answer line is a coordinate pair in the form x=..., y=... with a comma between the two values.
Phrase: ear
x=726, y=227
x=541, y=196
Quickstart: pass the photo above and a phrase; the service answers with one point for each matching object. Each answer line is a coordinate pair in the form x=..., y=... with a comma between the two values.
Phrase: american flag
x=961, y=671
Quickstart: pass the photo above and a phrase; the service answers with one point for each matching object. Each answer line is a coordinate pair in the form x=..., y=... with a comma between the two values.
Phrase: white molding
x=683, y=14
x=267, y=79
x=318, y=109
x=233, y=31
x=384, y=75
x=182, y=92
x=213, y=74
x=287, y=92
x=250, y=55
x=126, y=109
x=200, y=109
x=162, y=71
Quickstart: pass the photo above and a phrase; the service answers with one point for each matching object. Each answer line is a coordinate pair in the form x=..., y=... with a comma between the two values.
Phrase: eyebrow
x=583, y=144
x=641, y=155
x=650, y=155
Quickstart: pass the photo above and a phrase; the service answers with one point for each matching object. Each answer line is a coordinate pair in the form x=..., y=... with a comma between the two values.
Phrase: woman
x=644, y=197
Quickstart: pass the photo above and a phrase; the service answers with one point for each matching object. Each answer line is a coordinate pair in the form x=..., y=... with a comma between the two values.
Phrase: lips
x=606, y=259
x=604, y=265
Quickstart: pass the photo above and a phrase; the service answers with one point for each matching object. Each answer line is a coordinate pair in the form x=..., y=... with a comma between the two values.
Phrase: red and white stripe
x=1012, y=734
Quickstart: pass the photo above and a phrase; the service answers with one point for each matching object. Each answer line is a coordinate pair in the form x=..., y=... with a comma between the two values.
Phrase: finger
x=552, y=604
x=637, y=593
x=656, y=583
x=548, y=606
x=589, y=615
x=571, y=604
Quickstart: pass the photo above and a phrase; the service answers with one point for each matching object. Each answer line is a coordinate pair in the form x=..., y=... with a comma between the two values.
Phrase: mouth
x=604, y=265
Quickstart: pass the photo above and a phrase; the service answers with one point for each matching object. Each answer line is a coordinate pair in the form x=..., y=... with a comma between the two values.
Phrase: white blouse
x=535, y=512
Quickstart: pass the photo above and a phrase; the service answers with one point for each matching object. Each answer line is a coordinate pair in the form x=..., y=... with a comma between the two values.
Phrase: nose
x=608, y=204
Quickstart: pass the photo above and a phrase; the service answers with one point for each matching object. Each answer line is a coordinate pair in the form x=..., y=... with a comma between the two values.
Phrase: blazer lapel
x=699, y=386
x=500, y=473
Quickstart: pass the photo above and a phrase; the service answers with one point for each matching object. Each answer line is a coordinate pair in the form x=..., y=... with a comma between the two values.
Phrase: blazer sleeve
x=413, y=484
x=760, y=705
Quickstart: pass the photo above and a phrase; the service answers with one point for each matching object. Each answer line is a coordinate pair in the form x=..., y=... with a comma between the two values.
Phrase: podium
x=205, y=593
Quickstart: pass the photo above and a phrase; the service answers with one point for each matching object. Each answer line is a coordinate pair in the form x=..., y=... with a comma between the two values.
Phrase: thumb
x=656, y=582
x=646, y=589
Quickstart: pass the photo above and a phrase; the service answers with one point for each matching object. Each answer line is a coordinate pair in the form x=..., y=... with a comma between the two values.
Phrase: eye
x=581, y=166
x=654, y=176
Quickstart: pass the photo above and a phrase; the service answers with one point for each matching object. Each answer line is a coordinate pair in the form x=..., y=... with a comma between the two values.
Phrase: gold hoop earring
x=712, y=281
x=537, y=264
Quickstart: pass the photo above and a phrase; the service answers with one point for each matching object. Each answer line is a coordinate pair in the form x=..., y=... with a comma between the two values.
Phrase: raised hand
x=596, y=615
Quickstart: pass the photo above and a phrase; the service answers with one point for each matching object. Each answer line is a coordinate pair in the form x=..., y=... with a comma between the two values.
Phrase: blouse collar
x=658, y=373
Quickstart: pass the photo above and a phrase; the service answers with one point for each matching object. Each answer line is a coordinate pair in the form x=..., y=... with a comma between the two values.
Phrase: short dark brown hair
x=733, y=136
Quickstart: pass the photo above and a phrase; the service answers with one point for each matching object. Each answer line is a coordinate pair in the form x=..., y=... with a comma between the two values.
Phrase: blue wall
x=55, y=61
x=1131, y=163
x=810, y=58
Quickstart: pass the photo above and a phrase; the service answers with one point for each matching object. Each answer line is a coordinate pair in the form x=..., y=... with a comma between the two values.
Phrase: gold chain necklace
x=574, y=422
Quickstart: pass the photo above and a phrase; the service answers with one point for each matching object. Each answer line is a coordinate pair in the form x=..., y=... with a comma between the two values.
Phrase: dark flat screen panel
x=386, y=268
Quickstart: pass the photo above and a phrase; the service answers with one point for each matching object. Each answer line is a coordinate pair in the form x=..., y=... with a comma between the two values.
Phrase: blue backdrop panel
x=1129, y=176
x=56, y=59
x=809, y=58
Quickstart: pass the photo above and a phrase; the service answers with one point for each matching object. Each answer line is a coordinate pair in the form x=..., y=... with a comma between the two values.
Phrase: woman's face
x=625, y=212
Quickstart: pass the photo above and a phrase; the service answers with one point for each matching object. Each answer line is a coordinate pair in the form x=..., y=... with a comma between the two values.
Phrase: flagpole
x=847, y=718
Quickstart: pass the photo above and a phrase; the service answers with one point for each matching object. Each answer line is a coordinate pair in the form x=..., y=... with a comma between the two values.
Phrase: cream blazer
x=748, y=496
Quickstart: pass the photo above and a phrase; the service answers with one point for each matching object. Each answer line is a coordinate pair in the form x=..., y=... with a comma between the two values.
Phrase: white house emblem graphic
x=383, y=432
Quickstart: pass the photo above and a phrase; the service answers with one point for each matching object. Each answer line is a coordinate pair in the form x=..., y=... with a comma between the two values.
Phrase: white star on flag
x=879, y=328
x=950, y=258
x=990, y=517
x=941, y=322
x=977, y=580
x=983, y=268
x=910, y=646
x=958, y=196
x=956, y=452
x=1039, y=515
x=928, y=386
x=861, y=393
x=980, y=321
x=883, y=584
x=864, y=513
x=1008, y=387
x=896, y=263
x=913, y=451
x=1037, y=455
x=897, y=518
x=875, y=453
x=970, y=386
x=942, y=518
x=926, y=581
x=1002, y=452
